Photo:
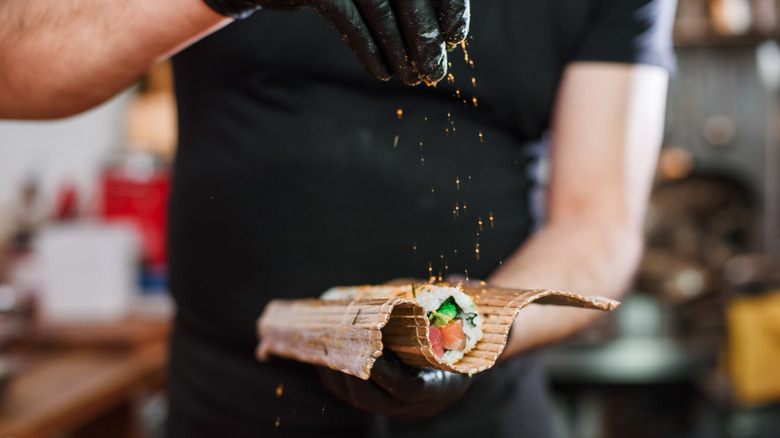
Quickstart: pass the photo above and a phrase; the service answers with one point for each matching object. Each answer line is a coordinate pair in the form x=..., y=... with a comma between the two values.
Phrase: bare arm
x=606, y=132
x=59, y=58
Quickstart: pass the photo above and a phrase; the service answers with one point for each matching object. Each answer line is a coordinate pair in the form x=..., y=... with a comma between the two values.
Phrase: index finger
x=424, y=39
x=346, y=18
x=455, y=18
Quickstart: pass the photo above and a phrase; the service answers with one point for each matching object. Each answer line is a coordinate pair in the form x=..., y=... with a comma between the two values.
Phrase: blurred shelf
x=630, y=361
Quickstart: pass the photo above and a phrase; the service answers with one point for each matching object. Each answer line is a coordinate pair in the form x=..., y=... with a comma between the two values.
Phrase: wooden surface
x=83, y=391
x=129, y=333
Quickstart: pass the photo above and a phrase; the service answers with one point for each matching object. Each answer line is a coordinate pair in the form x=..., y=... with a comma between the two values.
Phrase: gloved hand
x=397, y=390
x=401, y=37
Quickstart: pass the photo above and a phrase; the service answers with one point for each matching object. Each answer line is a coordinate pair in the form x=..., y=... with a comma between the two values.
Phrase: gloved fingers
x=280, y=5
x=444, y=385
x=363, y=394
x=424, y=40
x=369, y=396
x=380, y=17
x=346, y=18
x=413, y=385
x=400, y=380
x=455, y=17
x=366, y=395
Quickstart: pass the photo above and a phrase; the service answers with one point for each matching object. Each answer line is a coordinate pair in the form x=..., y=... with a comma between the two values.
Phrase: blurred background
x=693, y=352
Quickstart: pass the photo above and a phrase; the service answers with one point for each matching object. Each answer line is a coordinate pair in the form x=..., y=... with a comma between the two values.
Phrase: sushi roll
x=455, y=326
x=424, y=325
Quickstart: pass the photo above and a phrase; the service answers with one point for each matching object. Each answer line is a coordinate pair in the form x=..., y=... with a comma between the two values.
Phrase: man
x=297, y=171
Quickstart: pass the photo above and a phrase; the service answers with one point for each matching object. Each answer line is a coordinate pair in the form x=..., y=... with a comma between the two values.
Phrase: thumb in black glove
x=397, y=390
x=405, y=38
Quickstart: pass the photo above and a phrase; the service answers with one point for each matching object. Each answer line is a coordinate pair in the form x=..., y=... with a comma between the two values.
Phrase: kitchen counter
x=84, y=391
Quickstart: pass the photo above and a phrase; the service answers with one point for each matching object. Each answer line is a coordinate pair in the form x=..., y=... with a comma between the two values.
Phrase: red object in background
x=141, y=200
x=67, y=203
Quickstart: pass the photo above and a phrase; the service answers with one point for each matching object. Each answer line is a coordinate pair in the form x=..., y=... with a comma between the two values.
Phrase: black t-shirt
x=297, y=171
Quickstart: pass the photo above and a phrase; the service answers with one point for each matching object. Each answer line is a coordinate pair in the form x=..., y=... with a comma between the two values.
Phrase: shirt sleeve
x=630, y=31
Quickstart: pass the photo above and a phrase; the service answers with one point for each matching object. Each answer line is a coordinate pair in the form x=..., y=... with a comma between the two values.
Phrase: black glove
x=402, y=37
x=397, y=390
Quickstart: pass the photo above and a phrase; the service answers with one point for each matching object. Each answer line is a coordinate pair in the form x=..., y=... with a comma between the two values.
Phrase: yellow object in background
x=754, y=347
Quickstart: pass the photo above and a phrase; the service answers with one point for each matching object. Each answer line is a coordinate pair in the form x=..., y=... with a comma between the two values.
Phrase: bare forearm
x=590, y=258
x=606, y=133
x=59, y=58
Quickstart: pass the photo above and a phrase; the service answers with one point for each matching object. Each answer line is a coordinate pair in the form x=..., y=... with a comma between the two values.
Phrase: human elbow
x=44, y=102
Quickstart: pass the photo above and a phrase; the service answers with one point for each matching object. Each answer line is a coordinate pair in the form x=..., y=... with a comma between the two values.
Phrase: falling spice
x=450, y=78
x=479, y=222
x=414, y=247
x=476, y=250
x=474, y=101
x=457, y=94
x=473, y=81
x=451, y=126
x=491, y=219
x=276, y=423
x=457, y=183
x=430, y=269
x=279, y=390
x=400, y=113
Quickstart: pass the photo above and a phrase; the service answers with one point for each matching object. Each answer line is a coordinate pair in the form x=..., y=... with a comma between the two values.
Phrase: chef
x=305, y=163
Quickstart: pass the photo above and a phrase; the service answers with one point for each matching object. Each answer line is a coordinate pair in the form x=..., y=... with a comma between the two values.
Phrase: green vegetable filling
x=444, y=314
